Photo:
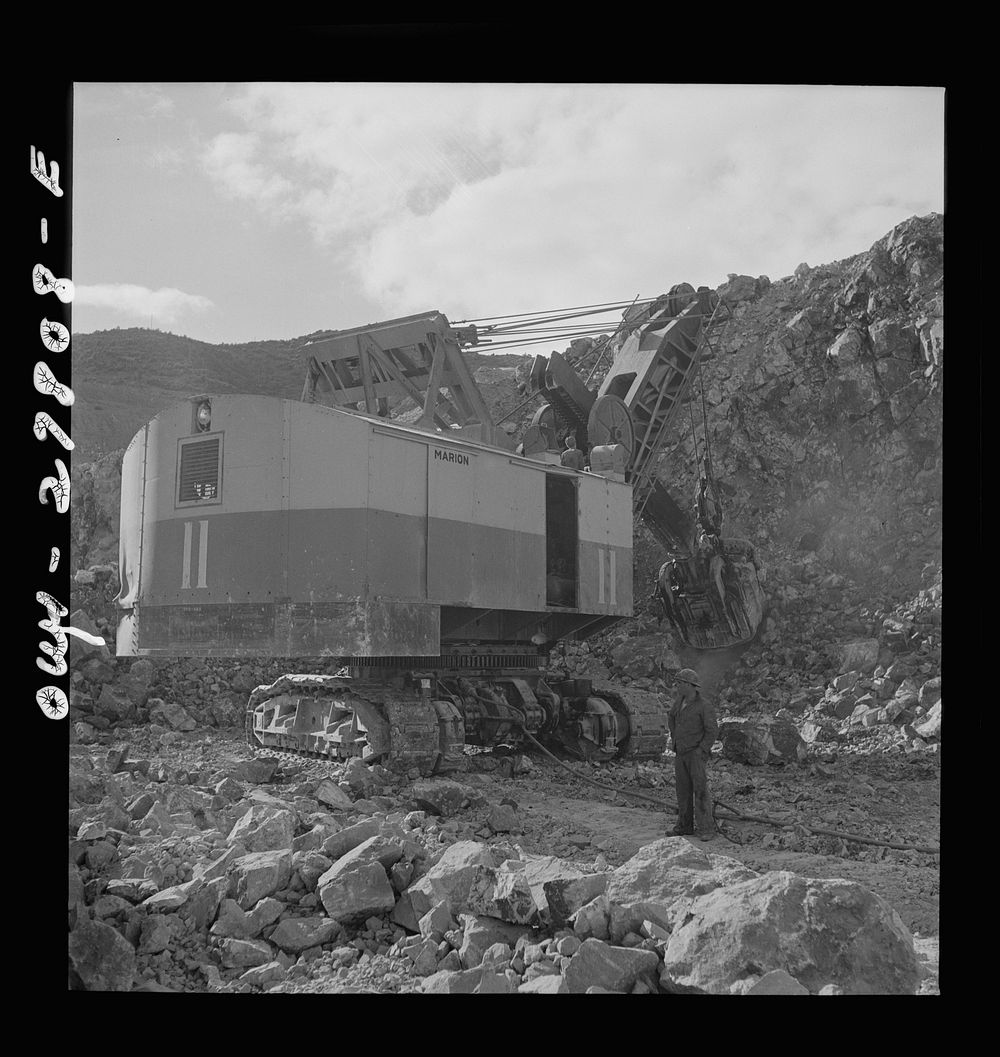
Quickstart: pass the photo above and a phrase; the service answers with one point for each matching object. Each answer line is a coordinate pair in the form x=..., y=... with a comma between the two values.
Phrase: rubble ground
x=223, y=804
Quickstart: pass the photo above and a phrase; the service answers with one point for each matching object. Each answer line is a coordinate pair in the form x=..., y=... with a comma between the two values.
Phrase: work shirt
x=693, y=725
x=573, y=458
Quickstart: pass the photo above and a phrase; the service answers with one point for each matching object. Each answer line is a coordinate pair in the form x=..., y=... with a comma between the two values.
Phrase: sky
x=248, y=211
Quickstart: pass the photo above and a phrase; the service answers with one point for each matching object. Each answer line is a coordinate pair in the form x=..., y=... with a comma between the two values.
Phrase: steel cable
x=735, y=815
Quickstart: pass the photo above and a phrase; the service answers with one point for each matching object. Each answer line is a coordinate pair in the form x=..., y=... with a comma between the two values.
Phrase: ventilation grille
x=199, y=476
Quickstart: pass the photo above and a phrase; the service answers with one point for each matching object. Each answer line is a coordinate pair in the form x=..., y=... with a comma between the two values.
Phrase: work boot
x=707, y=836
x=678, y=832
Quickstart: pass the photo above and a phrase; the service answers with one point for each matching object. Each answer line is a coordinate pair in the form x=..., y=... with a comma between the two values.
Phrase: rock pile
x=110, y=695
x=247, y=877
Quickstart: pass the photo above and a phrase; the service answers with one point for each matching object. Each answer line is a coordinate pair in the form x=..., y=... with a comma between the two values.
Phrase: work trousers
x=694, y=801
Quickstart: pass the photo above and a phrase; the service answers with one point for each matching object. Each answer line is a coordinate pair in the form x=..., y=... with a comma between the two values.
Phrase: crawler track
x=333, y=717
x=398, y=729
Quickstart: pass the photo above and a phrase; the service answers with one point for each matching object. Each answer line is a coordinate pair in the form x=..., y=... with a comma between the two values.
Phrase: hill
x=122, y=378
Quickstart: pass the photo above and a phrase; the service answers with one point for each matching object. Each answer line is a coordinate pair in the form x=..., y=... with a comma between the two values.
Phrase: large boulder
x=778, y=982
x=819, y=931
x=114, y=703
x=378, y=849
x=930, y=692
x=860, y=655
x=658, y=881
x=357, y=893
x=329, y=793
x=264, y=975
x=504, y=893
x=598, y=964
x=503, y=818
x=242, y=954
x=259, y=770
x=311, y=866
x=544, y=985
x=157, y=820
x=101, y=957
x=559, y=887
x=137, y=681
x=738, y=288
x=481, y=933
x=930, y=726
x=451, y=878
x=264, y=828
x=233, y=922
x=479, y=981
x=441, y=796
x=172, y=898
x=202, y=906
x=359, y=777
x=219, y=866
x=294, y=935
x=593, y=919
x=259, y=874
x=847, y=347
x=169, y=714
x=157, y=932
x=759, y=741
x=340, y=843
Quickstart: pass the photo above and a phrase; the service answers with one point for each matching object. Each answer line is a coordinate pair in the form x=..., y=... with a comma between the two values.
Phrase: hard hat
x=688, y=675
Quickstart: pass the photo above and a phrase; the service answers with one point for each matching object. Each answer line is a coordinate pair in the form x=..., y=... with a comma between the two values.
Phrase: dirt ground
x=854, y=799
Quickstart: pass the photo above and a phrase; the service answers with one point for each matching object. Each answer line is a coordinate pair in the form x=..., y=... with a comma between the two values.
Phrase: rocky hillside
x=825, y=406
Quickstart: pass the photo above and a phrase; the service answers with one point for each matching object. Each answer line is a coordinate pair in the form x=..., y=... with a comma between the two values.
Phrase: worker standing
x=693, y=729
x=572, y=456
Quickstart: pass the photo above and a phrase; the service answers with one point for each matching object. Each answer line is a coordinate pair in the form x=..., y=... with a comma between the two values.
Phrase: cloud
x=492, y=198
x=165, y=305
x=232, y=161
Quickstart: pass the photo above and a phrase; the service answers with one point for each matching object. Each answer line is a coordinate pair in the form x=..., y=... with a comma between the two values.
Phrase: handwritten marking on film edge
x=52, y=625
x=44, y=282
x=52, y=701
x=46, y=177
x=55, y=336
x=44, y=426
x=59, y=486
x=45, y=382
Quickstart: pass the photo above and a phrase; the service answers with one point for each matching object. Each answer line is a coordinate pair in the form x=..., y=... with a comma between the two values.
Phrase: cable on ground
x=734, y=814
